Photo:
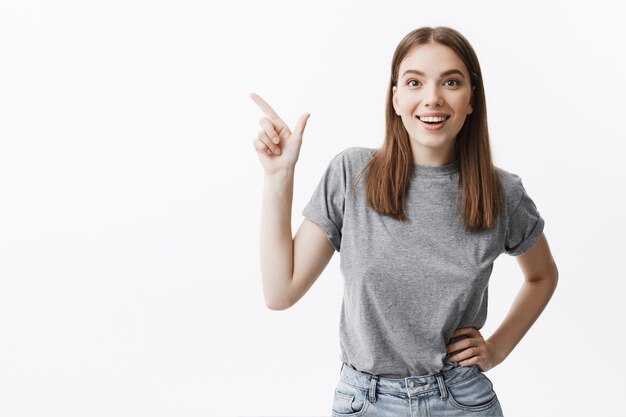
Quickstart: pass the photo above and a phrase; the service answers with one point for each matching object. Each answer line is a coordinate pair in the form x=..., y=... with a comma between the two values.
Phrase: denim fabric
x=461, y=391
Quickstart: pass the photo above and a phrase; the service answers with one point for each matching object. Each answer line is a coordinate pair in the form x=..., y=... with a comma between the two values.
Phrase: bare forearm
x=527, y=306
x=276, y=238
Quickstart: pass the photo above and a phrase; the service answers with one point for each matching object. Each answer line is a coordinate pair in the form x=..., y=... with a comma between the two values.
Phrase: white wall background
x=130, y=196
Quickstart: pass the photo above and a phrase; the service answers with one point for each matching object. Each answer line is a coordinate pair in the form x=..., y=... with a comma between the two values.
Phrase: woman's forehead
x=432, y=60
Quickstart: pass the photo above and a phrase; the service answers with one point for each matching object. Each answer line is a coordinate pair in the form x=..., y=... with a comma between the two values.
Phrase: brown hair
x=390, y=168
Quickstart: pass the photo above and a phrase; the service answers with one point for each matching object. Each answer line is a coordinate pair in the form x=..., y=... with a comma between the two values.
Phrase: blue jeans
x=461, y=391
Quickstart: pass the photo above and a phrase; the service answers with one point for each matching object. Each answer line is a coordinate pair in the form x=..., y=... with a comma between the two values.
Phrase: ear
x=395, y=100
x=471, y=109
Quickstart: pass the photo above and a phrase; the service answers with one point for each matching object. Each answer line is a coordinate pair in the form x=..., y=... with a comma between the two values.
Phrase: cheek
x=406, y=102
x=460, y=121
x=462, y=102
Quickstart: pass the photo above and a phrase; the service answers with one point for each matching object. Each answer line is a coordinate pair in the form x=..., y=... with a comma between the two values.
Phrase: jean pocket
x=349, y=401
x=474, y=394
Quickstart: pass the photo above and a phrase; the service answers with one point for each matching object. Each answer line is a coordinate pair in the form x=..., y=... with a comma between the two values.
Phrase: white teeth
x=433, y=119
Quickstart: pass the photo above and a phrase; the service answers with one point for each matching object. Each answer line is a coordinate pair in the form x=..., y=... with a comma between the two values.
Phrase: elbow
x=277, y=307
x=553, y=277
x=277, y=294
x=277, y=304
x=549, y=274
x=556, y=275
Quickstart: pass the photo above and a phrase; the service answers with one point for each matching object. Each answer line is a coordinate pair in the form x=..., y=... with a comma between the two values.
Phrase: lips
x=442, y=115
x=433, y=126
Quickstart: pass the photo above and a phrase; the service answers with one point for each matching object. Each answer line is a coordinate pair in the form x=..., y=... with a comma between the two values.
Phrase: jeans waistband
x=411, y=385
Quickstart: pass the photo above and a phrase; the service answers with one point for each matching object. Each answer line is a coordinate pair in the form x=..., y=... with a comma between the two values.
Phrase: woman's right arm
x=276, y=240
x=289, y=266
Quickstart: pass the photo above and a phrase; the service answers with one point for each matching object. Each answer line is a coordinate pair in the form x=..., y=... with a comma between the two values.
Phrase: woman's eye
x=416, y=81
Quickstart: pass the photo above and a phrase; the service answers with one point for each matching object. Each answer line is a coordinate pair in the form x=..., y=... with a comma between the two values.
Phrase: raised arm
x=289, y=266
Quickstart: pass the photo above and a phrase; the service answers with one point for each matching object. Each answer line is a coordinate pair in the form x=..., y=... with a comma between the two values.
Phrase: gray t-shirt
x=409, y=285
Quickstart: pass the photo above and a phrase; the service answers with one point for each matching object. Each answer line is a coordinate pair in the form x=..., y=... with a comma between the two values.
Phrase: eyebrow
x=443, y=74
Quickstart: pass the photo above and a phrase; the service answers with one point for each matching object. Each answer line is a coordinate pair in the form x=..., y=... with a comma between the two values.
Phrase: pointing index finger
x=267, y=109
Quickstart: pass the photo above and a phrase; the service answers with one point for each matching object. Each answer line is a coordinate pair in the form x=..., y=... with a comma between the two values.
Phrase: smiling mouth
x=433, y=126
x=433, y=123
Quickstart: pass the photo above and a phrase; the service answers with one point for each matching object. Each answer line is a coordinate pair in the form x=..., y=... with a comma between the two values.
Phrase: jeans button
x=411, y=384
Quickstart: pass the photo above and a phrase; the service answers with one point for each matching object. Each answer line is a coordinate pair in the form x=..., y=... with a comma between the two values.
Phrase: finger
x=259, y=144
x=462, y=330
x=460, y=345
x=260, y=147
x=470, y=360
x=466, y=354
x=299, y=129
x=266, y=152
x=267, y=142
x=268, y=126
x=275, y=149
x=474, y=360
x=267, y=109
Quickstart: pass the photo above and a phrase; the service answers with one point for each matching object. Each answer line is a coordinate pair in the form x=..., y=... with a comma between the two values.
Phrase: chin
x=432, y=141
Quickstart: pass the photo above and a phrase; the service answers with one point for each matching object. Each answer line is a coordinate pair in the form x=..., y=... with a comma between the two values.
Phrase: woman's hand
x=476, y=350
x=277, y=147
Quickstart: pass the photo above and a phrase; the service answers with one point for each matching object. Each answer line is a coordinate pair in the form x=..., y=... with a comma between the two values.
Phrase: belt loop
x=372, y=394
x=442, y=387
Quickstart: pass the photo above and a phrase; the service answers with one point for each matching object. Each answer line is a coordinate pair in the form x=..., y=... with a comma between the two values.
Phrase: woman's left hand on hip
x=476, y=350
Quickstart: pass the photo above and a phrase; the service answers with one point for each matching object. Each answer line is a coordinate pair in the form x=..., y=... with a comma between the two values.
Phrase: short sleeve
x=525, y=224
x=326, y=206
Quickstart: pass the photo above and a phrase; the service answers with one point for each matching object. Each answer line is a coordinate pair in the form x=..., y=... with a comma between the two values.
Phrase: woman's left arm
x=541, y=277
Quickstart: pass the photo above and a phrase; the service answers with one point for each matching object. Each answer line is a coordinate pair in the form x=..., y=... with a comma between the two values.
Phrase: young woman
x=419, y=223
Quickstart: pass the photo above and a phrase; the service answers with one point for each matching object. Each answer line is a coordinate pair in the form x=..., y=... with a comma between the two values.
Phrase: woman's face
x=425, y=86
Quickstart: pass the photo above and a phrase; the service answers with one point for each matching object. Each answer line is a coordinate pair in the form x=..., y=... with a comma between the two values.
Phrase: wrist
x=500, y=352
x=281, y=173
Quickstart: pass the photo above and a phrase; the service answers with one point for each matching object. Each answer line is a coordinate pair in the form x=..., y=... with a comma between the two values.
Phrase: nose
x=432, y=96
